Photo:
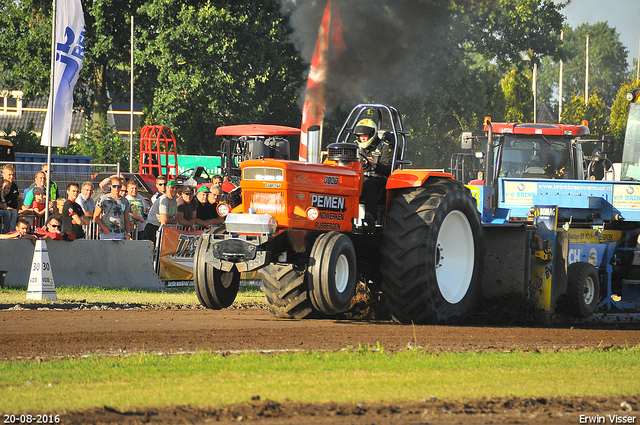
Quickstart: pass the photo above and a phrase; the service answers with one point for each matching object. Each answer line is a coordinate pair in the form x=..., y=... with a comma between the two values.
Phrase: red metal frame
x=546, y=129
x=157, y=141
x=257, y=130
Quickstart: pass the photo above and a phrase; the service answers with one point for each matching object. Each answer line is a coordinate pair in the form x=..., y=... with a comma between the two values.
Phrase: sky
x=624, y=15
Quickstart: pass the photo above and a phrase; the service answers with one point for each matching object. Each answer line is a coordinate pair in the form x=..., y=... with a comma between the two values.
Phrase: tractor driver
x=376, y=156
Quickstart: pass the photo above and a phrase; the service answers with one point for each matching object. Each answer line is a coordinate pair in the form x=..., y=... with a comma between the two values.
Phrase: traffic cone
x=41, y=286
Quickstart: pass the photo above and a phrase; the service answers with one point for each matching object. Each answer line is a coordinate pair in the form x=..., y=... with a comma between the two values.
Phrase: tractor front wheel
x=215, y=289
x=432, y=253
x=332, y=273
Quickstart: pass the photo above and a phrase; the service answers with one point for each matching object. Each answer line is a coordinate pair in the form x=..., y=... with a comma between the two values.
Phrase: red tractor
x=303, y=225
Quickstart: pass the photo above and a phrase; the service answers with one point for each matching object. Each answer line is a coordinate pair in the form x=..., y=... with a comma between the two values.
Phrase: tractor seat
x=385, y=135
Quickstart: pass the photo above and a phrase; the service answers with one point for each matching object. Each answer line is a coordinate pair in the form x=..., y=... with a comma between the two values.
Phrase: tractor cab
x=538, y=156
x=523, y=151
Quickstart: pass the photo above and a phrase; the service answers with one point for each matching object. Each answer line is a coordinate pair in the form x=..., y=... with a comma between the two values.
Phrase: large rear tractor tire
x=286, y=291
x=332, y=273
x=583, y=289
x=215, y=289
x=432, y=253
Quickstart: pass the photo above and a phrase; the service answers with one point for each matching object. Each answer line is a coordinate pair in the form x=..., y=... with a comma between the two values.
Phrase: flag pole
x=50, y=111
x=131, y=106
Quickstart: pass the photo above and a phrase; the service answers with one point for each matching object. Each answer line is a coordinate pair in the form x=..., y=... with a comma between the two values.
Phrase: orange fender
x=400, y=179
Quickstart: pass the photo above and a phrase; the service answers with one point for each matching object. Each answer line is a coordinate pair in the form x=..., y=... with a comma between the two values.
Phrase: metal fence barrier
x=61, y=173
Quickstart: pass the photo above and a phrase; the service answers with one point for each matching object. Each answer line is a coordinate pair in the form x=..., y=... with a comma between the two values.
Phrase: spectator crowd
x=120, y=212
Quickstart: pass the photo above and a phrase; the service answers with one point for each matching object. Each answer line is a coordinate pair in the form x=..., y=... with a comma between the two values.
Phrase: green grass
x=178, y=295
x=358, y=375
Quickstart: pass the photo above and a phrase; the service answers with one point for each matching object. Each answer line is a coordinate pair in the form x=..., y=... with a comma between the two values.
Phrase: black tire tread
x=320, y=283
x=410, y=295
x=205, y=281
x=317, y=300
x=286, y=292
x=576, y=275
x=200, y=277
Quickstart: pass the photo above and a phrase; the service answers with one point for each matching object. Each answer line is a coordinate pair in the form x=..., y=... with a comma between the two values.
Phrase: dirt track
x=101, y=330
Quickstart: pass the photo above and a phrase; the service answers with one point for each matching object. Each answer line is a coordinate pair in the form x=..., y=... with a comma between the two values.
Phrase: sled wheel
x=332, y=273
x=286, y=291
x=583, y=289
x=432, y=253
x=215, y=289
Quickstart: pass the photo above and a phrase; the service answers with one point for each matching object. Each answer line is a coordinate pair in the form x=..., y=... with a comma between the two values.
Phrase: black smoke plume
x=392, y=47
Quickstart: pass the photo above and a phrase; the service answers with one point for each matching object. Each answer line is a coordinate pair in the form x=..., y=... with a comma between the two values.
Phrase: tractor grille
x=342, y=152
x=267, y=203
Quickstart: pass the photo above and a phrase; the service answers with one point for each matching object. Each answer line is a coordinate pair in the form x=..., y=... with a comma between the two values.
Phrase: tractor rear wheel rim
x=342, y=273
x=589, y=290
x=454, y=257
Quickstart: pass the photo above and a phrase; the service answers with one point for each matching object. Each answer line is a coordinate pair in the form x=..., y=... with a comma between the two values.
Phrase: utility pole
x=535, y=91
x=586, y=78
x=560, y=83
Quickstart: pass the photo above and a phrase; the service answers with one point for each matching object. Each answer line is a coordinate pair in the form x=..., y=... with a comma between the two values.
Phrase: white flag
x=69, y=40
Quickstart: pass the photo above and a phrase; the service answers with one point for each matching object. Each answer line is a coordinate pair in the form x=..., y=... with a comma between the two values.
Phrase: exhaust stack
x=313, y=144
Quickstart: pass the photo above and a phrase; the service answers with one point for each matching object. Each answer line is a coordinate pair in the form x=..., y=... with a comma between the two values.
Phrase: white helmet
x=366, y=126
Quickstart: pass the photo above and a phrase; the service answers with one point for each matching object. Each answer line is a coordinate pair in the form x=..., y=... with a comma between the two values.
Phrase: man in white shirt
x=164, y=211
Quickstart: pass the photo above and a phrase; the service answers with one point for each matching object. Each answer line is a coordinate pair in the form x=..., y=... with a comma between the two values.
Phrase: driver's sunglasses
x=117, y=186
x=161, y=184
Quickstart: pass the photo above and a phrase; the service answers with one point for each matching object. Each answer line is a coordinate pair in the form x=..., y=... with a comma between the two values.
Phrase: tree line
x=200, y=64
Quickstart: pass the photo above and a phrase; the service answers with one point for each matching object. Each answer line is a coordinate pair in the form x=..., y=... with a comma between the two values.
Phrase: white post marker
x=41, y=286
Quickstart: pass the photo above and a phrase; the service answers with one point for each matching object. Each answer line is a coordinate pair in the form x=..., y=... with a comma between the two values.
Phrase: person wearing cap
x=36, y=207
x=41, y=182
x=112, y=213
x=202, y=211
x=164, y=211
x=187, y=206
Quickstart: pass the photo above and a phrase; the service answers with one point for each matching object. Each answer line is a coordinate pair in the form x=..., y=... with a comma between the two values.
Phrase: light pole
x=560, y=83
x=586, y=75
x=131, y=105
x=528, y=56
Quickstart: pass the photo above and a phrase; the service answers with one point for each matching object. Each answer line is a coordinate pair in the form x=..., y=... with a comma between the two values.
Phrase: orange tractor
x=303, y=226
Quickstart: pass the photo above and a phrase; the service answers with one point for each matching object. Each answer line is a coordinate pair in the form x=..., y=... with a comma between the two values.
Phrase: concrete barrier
x=108, y=264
